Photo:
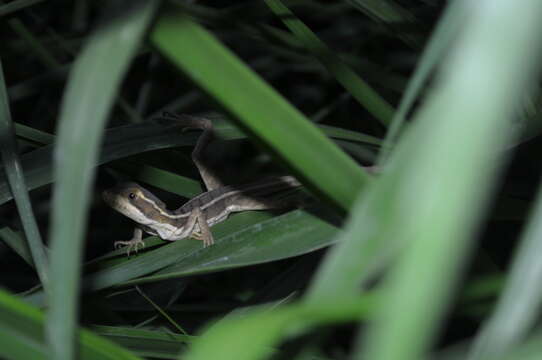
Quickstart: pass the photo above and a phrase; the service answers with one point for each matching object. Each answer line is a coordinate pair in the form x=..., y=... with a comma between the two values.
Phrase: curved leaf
x=89, y=95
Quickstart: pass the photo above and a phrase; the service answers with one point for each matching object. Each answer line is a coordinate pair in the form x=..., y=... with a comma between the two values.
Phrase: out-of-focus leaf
x=89, y=95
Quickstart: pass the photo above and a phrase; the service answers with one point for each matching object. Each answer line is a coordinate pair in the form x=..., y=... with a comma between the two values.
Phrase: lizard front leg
x=133, y=243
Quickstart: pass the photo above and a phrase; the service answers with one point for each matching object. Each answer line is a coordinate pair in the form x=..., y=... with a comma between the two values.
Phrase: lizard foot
x=207, y=240
x=131, y=244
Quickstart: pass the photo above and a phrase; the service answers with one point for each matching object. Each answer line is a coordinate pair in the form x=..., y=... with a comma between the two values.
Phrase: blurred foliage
x=433, y=253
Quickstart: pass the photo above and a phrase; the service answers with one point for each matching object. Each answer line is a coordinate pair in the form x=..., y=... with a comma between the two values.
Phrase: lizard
x=195, y=217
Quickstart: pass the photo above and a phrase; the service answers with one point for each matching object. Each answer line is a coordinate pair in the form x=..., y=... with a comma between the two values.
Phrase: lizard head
x=135, y=202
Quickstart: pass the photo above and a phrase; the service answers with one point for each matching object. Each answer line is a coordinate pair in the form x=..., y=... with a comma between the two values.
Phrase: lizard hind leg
x=204, y=232
x=133, y=243
x=209, y=178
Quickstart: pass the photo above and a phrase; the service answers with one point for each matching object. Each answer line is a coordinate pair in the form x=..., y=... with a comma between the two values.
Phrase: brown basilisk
x=196, y=216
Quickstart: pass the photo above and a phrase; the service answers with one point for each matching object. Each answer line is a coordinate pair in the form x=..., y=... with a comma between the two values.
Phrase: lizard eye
x=132, y=196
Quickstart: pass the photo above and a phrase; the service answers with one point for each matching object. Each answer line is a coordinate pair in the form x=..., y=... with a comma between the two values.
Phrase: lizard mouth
x=113, y=199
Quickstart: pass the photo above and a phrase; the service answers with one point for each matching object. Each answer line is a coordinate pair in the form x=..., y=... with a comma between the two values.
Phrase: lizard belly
x=178, y=233
x=163, y=230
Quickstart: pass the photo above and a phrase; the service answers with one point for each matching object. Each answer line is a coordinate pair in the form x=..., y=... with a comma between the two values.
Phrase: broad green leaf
x=245, y=239
x=238, y=243
x=292, y=234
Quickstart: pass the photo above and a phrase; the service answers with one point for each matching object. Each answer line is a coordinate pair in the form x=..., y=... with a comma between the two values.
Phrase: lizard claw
x=131, y=244
x=207, y=240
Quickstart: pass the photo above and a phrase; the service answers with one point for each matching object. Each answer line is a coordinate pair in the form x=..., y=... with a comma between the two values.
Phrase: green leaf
x=33, y=135
x=356, y=86
x=245, y=239
x=250, y=336
x=292, y=234
x=160, y=178
x=89, y=94
x=440, y=42
x=123, y=141
x=18, y=187
x=390, y=13
x=519, y=304
x=148, y=343
x=22, y=335
x=120, y=142
x=17, y=5
x=528, y=350
x=447, y=165
x=17, y=243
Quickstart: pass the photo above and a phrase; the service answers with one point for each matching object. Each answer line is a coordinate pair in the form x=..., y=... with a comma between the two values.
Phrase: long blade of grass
x=39, y=50
x=18, y=187
x=347, y=77
x=16, y=6
x=519, y=305
x=22, y=335
x=384, y=11
x=527, y=350
x=259, y=109
x=17, y=243
x=148, y=343
x=441, y=39
x=163, y=179
x=90, y=93
x=454, y=166
x=34, y=135
x=162, y=312
x=389, y=13
x=228, y=338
